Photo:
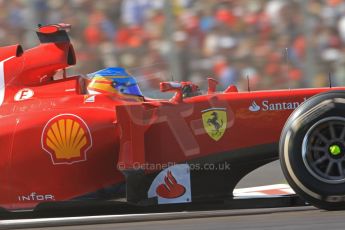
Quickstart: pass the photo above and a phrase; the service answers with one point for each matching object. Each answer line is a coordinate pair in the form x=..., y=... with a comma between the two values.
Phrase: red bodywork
x=57, y=144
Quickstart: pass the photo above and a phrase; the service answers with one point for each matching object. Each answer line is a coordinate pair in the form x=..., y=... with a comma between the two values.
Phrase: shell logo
x=67, y=139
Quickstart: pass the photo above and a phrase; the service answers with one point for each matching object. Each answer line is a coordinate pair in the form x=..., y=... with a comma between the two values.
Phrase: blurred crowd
x=274, y=43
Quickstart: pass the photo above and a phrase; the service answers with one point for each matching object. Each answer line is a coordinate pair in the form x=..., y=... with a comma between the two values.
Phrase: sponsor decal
x=67, y=139
x=36, y=197
x=215, y=122
x=170, y=188
x=89, y=98
x=254, y=107
x=266, y=105
x=24, y=94
x=172, y=185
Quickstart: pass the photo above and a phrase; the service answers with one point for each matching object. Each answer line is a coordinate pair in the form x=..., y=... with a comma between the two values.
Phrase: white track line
x=275, y=189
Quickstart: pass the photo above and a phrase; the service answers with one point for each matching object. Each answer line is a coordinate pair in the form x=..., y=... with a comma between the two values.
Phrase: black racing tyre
x=312, y=150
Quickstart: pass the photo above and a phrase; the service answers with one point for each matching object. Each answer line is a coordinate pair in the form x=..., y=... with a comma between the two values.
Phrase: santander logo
x=170, y=188
x=267, y=105
x=254, y=107
x=172, y=185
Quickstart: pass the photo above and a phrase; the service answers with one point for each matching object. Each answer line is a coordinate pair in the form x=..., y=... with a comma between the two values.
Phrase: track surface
x=267, y=174
x=278, y=219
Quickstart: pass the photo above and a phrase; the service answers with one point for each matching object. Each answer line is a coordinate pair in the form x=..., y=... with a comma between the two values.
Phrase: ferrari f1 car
x=96, y=137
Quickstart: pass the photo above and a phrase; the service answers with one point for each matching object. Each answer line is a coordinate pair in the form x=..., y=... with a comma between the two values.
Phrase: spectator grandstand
x=276, y=43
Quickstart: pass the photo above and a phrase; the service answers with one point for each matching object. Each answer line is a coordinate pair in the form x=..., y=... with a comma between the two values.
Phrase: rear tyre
x=312, y=150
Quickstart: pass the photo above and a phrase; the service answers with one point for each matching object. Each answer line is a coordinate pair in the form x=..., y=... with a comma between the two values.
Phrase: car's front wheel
x=312, y=150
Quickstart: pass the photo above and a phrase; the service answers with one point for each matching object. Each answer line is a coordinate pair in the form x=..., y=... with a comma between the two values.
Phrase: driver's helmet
x=116, y=81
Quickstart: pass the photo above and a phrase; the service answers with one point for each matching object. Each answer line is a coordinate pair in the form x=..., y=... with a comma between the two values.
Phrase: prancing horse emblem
x=214, y=121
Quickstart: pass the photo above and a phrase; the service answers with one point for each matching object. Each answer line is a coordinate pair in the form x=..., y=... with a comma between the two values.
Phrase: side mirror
x=212, y=85
x=231, y=89
x=172, y=87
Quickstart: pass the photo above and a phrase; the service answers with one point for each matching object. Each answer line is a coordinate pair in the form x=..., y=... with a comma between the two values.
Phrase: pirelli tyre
x=312, y=150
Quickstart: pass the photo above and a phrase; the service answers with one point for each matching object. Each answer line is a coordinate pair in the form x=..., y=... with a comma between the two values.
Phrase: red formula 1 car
x=97, y=137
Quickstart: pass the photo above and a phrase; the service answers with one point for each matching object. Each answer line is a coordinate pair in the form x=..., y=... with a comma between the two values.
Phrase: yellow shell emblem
x=67, y=139
x=215, y=122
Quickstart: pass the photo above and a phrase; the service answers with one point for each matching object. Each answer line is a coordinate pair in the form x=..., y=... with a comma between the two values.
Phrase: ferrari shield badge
x=214, y=121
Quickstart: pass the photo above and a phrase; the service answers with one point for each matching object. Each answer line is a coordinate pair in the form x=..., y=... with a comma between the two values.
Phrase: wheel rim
x=323, y=150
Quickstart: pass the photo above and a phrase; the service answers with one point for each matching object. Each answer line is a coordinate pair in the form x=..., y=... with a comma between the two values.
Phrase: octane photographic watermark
x=223, y=166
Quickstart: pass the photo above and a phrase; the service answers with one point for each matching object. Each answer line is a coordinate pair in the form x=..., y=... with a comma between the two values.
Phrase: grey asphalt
x=266, y=175
x=297, y=218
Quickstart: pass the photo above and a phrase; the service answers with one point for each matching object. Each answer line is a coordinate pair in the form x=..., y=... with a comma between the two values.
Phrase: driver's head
x=115, y=81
